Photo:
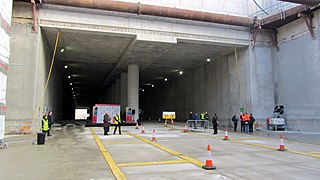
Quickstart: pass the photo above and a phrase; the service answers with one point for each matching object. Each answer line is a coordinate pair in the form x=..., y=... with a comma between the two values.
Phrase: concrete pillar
x=117, y=91
x=133, y=88
x=124, y=91
x=113, y=93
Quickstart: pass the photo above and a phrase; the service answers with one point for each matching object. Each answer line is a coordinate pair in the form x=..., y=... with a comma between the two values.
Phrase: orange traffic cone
x=209, y=165
x=137, y=125
x=226, y=137
x=281, y=148
x=185, y=130
x=154, y=135
x=142, y=131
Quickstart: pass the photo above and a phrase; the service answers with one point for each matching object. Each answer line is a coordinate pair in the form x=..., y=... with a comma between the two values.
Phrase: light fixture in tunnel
x=152, y=85
x=70, y=84
x=180, y=72
x=165, y=79
x=208, y=60
x=66, y=66
x=69, y=77
x=72, y=89
x=62, y=50
x=142, y=90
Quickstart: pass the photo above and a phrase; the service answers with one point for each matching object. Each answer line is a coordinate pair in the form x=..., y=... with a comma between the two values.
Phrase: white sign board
x=3, y=87
x=4, y=46
x=103, y=108
x=81, y=113
x=2, y=126
x=6, y=10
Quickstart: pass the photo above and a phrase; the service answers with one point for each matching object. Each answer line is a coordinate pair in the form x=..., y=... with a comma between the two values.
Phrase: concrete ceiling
x=91, y=57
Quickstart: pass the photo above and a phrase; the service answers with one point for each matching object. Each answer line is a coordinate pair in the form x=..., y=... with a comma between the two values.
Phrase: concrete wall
x=298, y=65
x=30, y=59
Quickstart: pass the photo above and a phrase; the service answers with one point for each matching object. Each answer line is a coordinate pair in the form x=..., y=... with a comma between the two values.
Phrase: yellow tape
x=153, y=163
x=113, y=166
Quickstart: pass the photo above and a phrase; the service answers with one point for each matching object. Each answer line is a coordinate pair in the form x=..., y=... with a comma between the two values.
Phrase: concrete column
x=133, y=88
x=124, y=91
x=113, y=93
x=117, y=91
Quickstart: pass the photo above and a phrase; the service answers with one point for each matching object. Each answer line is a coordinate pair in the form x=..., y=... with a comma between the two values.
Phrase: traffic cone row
x=154, y=135
x=209, y=164
x=226, y=137
x=281, y=148
x=137, y=125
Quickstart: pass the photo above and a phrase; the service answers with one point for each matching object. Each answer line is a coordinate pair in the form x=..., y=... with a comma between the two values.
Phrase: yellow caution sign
x=168, y=115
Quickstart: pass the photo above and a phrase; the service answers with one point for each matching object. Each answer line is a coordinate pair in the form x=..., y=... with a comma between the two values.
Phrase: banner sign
x=4, y=46
x=100, y=110
x=168, y=115
x=6, y=10
x=3, y=87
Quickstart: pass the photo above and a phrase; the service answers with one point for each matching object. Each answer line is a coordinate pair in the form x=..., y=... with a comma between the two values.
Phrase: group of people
x=204, y=116
x=47, y=123
x=107, y=123
x=246, y=121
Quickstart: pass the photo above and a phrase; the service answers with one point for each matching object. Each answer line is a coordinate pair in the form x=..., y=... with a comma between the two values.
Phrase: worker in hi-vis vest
x=45, y=124
x=202, y=117
x=117, y=122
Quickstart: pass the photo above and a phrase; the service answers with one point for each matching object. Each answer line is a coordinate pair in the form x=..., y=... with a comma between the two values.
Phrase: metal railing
x=204, y=124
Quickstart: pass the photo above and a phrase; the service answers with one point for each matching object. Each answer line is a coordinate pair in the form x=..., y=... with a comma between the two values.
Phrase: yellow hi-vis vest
x=45, y=125
x=116, y=119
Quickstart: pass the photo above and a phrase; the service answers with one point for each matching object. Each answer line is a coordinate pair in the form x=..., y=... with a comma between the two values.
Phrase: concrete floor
x=76, y=152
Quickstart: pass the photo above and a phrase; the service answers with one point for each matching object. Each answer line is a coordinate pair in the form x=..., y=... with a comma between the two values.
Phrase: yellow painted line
x=189, y=159
x=113, y=166
x=119, y=142
x=155, y=144
x=318, y=152
x=194, y=161
x=153, y=163
x=262, y=146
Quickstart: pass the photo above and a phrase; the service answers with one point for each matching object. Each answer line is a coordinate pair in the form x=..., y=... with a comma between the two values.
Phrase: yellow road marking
x=153, y=163
x=318, y=152
x=189, y=159
x=262, y=146
x=118, y=142
x=113, y=166
x=194, y=161
x=155, y=144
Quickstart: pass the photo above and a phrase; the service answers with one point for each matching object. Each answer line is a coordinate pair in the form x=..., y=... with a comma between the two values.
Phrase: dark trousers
x=242, y=126
x=215, y=128
x=250, y=127
x=45, y=132
x=106, y=130
x=235, y=125
x=115, y=129
x=49, y=129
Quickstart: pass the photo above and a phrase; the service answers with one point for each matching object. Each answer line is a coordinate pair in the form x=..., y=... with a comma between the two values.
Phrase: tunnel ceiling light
x=165, y=79
x=66, y=66
x=70, y=84
x=72, y=88
x=143, y=90
x=62, y=50
x=180, y=72
x=69, y=77
x=152, y=85
x=208, y=60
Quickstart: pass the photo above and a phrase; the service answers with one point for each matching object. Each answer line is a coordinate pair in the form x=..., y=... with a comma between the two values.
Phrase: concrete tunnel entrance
x=93, y=69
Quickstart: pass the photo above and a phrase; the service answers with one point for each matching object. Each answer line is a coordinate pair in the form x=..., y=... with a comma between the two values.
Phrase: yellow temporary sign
x=168, y=115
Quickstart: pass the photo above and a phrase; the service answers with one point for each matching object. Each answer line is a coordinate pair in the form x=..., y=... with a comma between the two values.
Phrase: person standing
x=195, y=117
x=190, y=117
x=117, y=122
x=215, y=123
x=50, y=120
x=235, y=120
x=44, y=124
x=202, y=118
x=206, y=117
x=242, y=122
x=106, y=123
x=252, y=120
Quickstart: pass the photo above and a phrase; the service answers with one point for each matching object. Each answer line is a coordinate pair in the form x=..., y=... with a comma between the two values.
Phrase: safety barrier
x=196, y=123
x=21, y=131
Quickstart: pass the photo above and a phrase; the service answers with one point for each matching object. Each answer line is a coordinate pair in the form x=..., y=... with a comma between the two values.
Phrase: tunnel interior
x=89, y=64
